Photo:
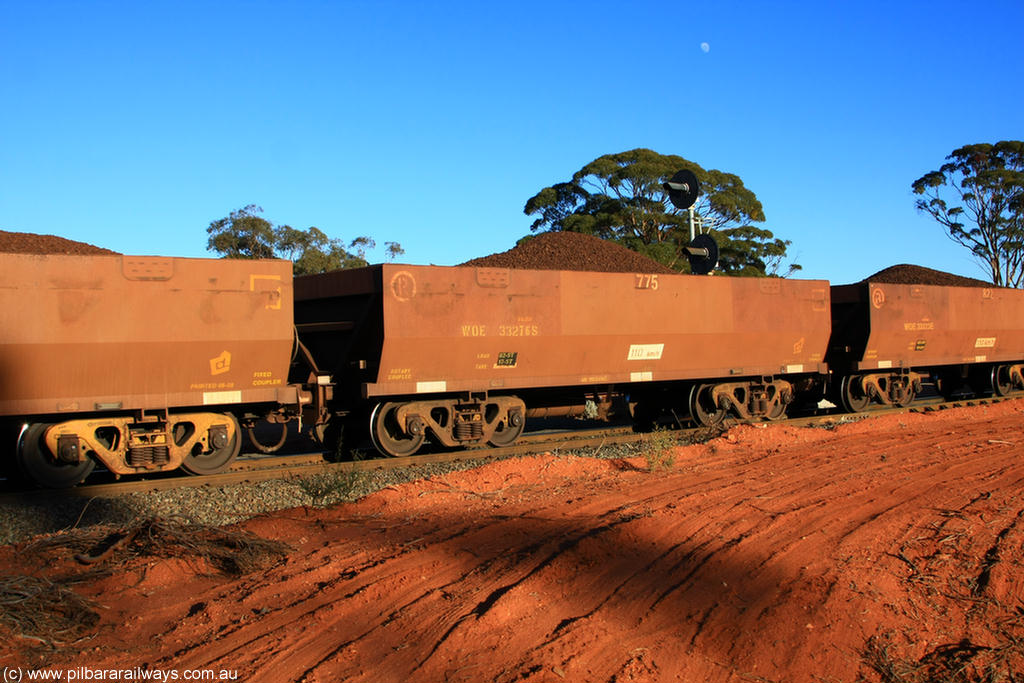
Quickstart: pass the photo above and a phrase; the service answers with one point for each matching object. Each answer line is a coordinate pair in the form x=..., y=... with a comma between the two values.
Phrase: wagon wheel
x=220, y=455
x=852, y=394
x=387, y=435
x=702, y=408
x=272, y=447
x=508, y=430
x=1002, y=385
x=777, y=412
x=40, y=466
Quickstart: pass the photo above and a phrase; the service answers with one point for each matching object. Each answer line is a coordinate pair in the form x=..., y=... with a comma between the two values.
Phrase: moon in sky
x=705, y=47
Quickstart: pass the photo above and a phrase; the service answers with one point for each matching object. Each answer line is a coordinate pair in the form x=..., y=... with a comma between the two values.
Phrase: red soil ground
x=883, y=550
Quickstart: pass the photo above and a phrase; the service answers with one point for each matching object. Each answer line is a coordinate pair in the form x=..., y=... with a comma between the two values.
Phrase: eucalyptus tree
x=246, y=234
x=978, y=197
x=622, y=197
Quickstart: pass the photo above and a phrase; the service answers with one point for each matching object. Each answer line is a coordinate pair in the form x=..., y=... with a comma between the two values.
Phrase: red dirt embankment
x=771, y=554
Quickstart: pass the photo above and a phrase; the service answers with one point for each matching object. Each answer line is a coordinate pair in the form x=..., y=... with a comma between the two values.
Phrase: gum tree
x=246, y=234
x=978, y=197
x=621, y=197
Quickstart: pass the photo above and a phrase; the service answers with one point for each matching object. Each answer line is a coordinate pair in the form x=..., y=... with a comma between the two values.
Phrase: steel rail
x=259, y=468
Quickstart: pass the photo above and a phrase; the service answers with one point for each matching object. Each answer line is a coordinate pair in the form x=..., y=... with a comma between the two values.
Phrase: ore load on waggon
x=148, y=364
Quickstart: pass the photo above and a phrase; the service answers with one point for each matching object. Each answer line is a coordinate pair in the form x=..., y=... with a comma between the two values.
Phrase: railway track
x=256, y=468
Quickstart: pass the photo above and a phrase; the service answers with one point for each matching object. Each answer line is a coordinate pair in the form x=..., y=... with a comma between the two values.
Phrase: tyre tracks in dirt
x=770, y=554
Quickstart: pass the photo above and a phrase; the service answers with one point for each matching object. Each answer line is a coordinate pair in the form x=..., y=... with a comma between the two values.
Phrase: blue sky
x=132, y=125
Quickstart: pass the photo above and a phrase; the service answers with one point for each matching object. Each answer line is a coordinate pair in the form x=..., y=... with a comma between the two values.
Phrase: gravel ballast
x=52, y=512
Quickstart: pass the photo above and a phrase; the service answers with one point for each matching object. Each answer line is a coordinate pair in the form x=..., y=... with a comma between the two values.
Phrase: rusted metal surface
x=139, y=447
x=86, y=334
x=406, y=330
x=893, y=326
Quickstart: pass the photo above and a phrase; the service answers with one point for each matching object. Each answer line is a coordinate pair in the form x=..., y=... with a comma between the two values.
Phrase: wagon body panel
x=429, y=329
x=882, y=325
x=103, y=333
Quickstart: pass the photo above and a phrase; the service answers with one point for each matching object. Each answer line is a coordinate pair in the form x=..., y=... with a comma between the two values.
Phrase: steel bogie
x=201, y=443
x=858, y=392
x=755, y=399
x=400, y=429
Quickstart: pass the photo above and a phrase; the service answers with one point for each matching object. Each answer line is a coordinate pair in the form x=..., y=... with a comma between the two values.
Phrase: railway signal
x=702, y=251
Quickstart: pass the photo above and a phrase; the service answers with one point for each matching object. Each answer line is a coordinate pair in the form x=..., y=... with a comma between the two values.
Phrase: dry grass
x=333, y=484
x=40, y=609
x=659, y=448
x=229, y=551
x=49, y=611
x=947, y=572
x=962, y=662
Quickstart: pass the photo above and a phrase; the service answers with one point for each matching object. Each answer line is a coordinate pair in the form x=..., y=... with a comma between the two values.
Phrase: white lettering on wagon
x=985, y=343
x=645, y=351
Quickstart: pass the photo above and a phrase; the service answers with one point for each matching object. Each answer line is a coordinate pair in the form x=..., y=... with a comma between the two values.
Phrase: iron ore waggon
x=466, y=355
x=889, y=338
x=149, y=364
x=139, y=363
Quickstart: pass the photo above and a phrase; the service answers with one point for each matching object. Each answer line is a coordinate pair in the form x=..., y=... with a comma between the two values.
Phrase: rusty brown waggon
x=889, y=338
x=464, y=355
x=140, y=363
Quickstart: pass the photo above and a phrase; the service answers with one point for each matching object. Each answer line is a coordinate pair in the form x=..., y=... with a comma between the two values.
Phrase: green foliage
x=659, y=449
x=978, y=197
x=620, y=197
x=244, y=234
x=333, y=484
